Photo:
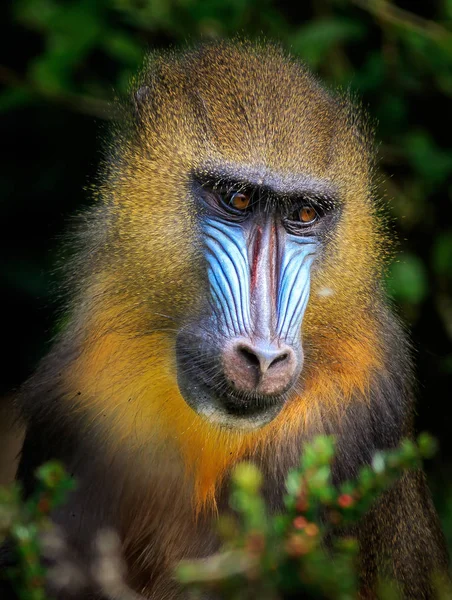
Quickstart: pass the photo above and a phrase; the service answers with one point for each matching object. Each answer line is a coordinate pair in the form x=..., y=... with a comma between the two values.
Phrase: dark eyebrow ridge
x=290, y=186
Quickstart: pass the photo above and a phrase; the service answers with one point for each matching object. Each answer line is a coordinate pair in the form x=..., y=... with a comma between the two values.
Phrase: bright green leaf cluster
x=305, y=550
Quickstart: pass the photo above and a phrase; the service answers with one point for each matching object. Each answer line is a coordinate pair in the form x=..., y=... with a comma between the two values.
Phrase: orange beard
x=130, y=385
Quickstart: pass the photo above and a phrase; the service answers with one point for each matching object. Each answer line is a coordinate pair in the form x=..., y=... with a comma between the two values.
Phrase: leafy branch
x=305, y=549
x=80, y=103
x=394, y=15
x=308, y=548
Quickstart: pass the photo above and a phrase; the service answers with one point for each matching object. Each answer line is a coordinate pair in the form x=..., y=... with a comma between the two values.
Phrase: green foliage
x=408, y=280
x=315, y=40
x=262, y=555
x=309, y=549
x=23, y=521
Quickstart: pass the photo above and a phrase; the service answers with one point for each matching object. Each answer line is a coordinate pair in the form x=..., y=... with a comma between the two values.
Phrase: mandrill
x=225, y=303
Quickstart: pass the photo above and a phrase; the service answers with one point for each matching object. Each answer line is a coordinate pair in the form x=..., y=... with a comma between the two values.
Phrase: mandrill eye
x=304, y=215
x=302, y=219
x=307, y=214
x=238, y=200
x=229, y=202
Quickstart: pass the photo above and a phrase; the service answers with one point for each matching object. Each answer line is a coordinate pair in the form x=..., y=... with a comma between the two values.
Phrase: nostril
x=281, y=358
x=249, y=356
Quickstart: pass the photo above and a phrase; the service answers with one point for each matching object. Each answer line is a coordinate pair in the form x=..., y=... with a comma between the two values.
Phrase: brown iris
x=307, y=214
x=239, y=201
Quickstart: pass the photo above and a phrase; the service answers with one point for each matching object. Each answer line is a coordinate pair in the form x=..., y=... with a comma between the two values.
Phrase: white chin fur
x=223, y=419
x=210, y=408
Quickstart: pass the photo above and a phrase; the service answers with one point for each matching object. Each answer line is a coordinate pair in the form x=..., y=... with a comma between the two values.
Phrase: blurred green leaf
x=14, y=98
x=432, y=163
x=407, y=281
x=124, y=48
x=314, y=40
x=442, y=254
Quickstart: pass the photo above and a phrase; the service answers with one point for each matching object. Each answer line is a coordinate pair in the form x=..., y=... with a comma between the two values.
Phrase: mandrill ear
x=142, y=98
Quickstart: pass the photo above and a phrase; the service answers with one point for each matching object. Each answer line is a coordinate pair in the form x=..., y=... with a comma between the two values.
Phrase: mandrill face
x=239, y=362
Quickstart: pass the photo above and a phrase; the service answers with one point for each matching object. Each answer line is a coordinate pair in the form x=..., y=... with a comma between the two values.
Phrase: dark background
x=62, y=62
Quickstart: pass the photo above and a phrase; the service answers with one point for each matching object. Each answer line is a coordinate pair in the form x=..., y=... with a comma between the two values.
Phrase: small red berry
x=345, y=501
x=300, y=522
x=311, y=529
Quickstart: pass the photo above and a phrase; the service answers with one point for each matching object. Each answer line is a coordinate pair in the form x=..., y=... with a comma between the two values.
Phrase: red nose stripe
x=255, y=261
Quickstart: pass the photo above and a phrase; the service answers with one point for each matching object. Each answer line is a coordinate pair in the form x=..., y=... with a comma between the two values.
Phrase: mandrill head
x=235, y=256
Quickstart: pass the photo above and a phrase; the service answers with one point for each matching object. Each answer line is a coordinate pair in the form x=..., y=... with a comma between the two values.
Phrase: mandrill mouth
x=227, y=408
x=233, y=391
